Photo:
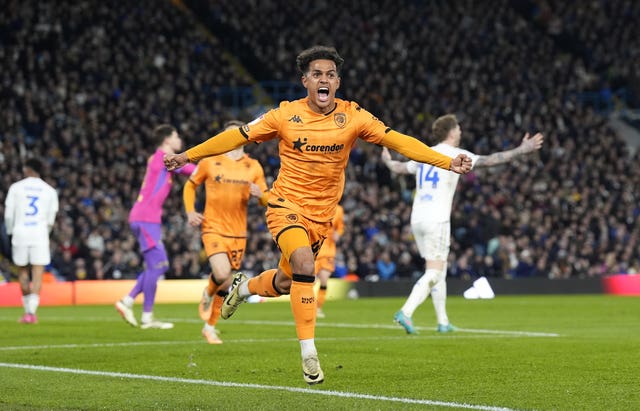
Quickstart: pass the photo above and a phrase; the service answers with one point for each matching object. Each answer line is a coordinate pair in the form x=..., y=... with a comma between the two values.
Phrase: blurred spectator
x=386, y=267
x=64, y=266
x=83, y=79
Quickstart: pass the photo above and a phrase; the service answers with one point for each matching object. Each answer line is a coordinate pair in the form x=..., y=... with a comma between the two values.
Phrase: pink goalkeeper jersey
x=155, y=189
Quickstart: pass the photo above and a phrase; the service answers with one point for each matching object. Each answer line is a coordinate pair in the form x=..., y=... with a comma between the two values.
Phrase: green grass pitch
x=511, y=353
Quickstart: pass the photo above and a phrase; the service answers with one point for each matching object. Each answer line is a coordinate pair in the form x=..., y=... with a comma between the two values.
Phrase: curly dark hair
x=316, y=53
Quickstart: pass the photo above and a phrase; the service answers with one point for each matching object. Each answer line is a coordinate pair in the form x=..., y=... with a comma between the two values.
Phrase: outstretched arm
x=399, y=167
x=218, y=144
x=528, y=145
x=417, y=151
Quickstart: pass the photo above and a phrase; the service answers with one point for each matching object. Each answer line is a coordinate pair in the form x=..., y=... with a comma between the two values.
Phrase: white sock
x=127, y=300
x=243, y=290
x=34, y=302
x=25, y=303
x=208, y=327
x=308, y=347
x=439, y=297
x=420, y=292
x=147, y=317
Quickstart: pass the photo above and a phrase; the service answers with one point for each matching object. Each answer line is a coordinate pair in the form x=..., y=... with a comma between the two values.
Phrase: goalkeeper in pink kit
x=145, y=221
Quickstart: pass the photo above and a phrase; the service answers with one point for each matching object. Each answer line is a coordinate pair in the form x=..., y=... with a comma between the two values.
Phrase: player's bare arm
x=528, y=145
x=399, y=167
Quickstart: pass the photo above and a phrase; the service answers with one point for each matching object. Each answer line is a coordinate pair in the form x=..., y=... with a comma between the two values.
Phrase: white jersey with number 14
x=435, y=187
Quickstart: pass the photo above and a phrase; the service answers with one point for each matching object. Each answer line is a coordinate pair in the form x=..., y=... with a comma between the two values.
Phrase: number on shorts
x=236, y=255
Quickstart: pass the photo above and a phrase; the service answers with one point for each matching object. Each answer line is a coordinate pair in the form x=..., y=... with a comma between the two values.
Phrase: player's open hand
x=532, y=143
x=173, y=161
x=461, y=164
x=194, y=218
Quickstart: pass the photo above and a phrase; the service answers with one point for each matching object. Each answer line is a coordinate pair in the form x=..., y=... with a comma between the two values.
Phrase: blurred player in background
x=145, y=220
x=325, y=260
x=230, y=180
x=431, y=214
x=30, y=212
x=315, y=136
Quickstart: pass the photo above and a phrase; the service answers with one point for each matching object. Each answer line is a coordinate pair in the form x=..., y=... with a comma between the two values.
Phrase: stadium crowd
x=84, y=83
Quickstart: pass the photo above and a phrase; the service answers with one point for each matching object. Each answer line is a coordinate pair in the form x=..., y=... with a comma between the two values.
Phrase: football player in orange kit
x=230, y=180
x=315, y=136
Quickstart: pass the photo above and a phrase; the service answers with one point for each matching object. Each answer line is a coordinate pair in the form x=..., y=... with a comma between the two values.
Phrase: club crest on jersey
x=292, y=218
x=340, y=119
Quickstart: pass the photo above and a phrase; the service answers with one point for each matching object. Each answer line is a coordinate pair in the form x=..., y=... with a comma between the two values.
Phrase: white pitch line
x=396, y=327
x=201, y=342
x=343, y=394
x=328, y=325
x=504, y=332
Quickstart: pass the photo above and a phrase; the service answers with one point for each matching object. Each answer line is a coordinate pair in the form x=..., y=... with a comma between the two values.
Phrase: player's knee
x=219, y=277
x=282, y=283
x=302, y=261
x=304, y=267
x=431, y=277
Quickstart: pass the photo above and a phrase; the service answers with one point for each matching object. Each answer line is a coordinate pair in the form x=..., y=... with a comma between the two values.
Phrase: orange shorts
x=291, y=231
x=233, y=246
x=325, y=263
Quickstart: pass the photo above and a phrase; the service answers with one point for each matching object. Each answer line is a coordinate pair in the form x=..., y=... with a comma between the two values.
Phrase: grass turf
x=513, y=352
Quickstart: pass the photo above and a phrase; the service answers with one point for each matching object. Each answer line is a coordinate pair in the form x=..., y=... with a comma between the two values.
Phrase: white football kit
x=431, y=213
x=30, y=211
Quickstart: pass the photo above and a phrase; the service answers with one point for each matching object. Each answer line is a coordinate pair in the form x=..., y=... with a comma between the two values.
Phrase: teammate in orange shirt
x=315, y=136
x=325, y=260
x=230, y=180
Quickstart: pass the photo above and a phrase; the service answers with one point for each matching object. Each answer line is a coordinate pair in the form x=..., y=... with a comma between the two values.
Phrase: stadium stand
x=84, y=82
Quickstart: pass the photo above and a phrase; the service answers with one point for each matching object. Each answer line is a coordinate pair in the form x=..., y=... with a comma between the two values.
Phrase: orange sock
x=322, y=295
x=303, y=306
x=216, y=307
x=263, y=284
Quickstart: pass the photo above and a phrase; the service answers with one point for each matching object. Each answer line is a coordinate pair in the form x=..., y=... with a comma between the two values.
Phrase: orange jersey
x=314, y=151
x=227, y=192
x=328, y=248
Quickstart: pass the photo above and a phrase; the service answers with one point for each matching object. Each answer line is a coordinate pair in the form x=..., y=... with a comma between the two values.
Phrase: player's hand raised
x=530, y=144
x=461, y=164
x=173, y=161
